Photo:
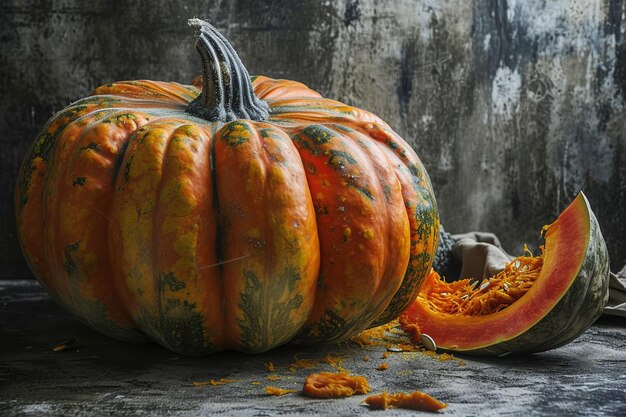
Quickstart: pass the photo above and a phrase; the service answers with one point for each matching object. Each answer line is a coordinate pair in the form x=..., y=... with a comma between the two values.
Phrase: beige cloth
x=481, y=255
x=617, y=294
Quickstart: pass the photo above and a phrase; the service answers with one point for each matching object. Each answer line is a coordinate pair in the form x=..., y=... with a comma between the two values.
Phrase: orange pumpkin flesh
x=416, y=400
x=334, y=385
x=466, y=298
x=240, y=216
x=558, y=295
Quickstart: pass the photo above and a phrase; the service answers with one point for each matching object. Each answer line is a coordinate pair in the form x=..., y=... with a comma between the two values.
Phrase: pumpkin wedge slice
x=535, y=304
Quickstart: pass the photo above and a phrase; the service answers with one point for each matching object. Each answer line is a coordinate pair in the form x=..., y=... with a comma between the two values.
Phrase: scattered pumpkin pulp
x=334, y=385
x=278, y=391
x=416, y=400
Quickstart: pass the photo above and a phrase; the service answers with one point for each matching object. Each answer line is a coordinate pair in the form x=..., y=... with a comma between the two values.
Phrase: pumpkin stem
x=227, y=92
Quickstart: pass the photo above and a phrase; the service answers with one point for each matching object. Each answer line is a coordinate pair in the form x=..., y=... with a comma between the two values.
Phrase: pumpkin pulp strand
x=466, y=298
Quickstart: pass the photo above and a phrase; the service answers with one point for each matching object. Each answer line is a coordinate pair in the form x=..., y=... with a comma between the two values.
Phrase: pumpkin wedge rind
x=567, y=297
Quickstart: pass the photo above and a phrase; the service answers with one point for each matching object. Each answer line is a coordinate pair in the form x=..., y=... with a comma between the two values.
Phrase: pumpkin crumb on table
x=270, y=367
x=300, y=363
x=416, y=400
x=383, y=366
x=379, y=336
x=334, y=385
x=274, y=377
x=278, y=391
x=214, y=382
x=333, y=361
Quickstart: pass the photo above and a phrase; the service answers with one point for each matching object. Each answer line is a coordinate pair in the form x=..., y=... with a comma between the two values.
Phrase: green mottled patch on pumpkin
x=387, y=192
x=260, y=332
x=120, y=119
x=79, y=181
x=394, y=146
x=417, y=174
x=43, y=147
x=172, y=303
x=69, y=264
x=250, y=324
x=339, y=159
x=306, y=145
x=342, y=128
x=92, y=146
x=46, y=141
x=319, y=135
x=426, y=217
x=268, y=133
x=181, y=327
x=236, y=133
x=330, y=327
x=311, y=139
x=171, y=282
x=127, y=168
x=367, y=193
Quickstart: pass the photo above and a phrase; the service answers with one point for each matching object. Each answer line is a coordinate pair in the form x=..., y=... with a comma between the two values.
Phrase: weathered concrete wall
x=514, y=106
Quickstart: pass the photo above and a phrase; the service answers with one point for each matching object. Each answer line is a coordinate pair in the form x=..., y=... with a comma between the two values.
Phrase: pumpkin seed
x=506, y=287
x=484, y=285
x=64, y=345
x=428, y=342
x=464, y=297
x=395, y=349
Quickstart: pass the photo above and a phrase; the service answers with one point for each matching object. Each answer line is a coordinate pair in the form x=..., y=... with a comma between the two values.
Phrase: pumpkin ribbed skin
x=146, y=221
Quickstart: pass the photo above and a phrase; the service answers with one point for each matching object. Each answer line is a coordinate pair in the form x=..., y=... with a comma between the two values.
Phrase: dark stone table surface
x=105, y=377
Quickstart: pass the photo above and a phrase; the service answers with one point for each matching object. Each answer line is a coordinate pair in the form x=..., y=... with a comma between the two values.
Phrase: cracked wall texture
x=513, y=106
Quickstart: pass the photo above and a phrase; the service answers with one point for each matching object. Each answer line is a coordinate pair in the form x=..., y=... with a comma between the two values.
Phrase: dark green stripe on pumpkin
x=69, y=264
x=181, y=326
x=172, y=283
x=128, y=165
x=342, y=128
x=261, y=330
x=331, y=327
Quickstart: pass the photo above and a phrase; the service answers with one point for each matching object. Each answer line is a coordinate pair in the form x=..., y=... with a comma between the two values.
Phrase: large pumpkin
x=239, y=215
